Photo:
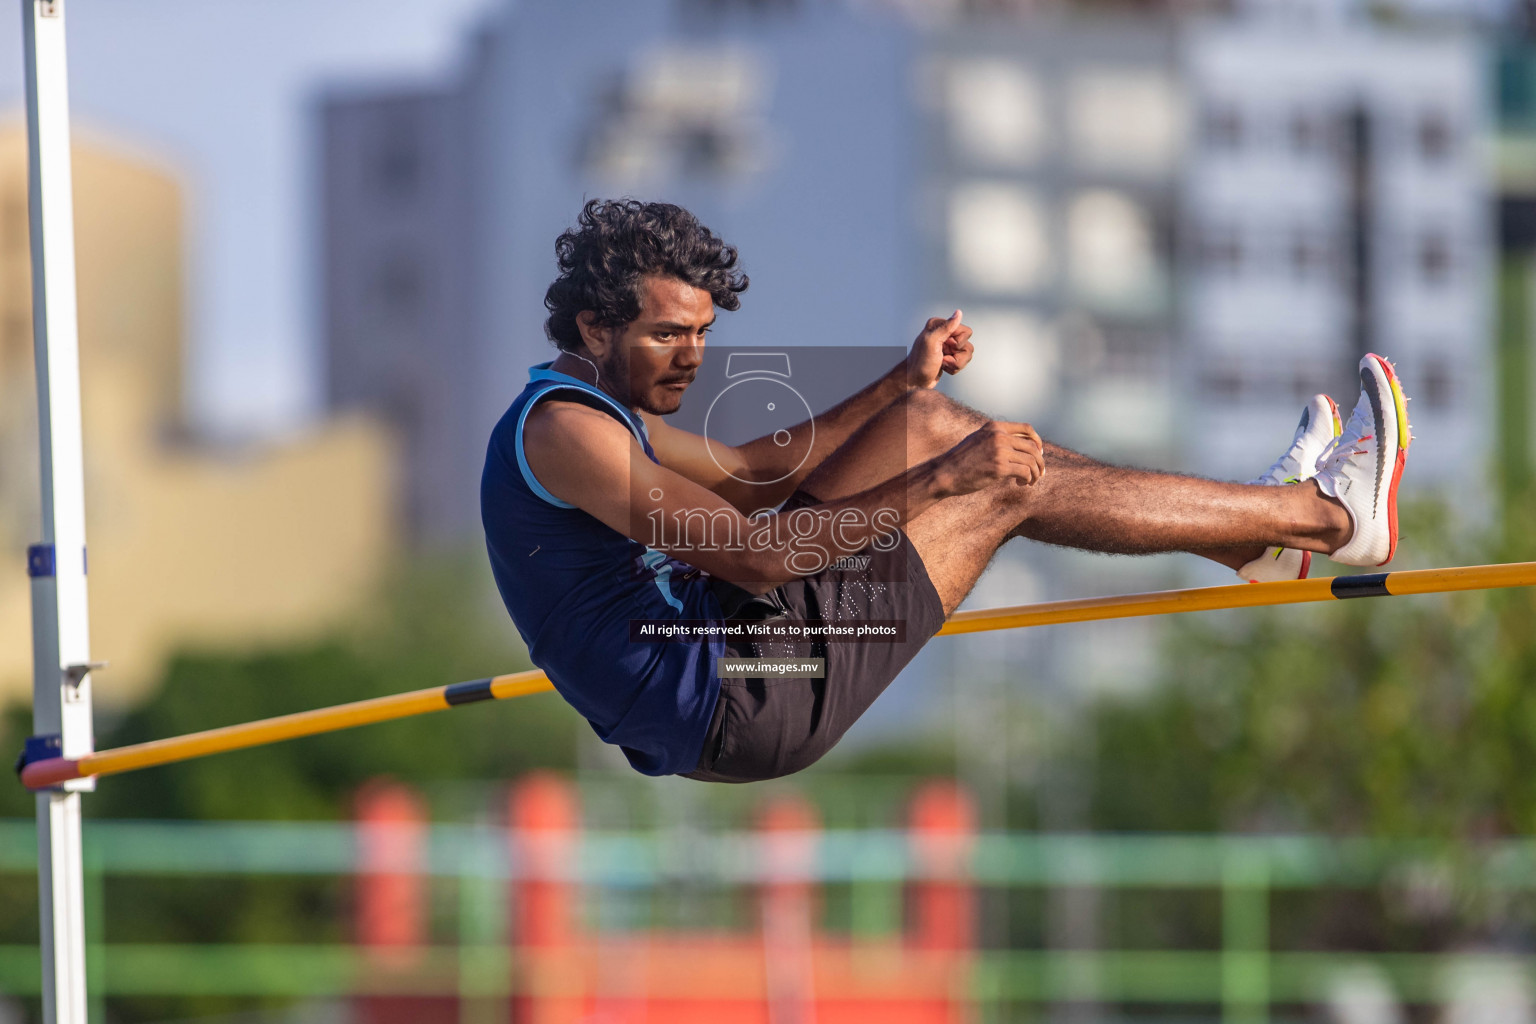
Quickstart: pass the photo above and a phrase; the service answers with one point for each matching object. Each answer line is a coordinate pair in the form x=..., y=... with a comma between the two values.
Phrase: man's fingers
x=1024, y=430
x=1030, y=467
x=1025, y=441
x=1018, y=429
x=958, y=349
x=947, y=325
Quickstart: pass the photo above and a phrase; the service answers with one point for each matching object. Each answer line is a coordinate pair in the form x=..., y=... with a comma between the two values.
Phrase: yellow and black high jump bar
x=42, y=772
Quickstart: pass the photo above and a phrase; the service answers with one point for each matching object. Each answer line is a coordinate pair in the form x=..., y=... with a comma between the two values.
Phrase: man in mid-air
x=599, y=515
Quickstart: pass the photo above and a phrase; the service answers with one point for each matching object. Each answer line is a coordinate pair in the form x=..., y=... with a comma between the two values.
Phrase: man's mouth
x=679, y=383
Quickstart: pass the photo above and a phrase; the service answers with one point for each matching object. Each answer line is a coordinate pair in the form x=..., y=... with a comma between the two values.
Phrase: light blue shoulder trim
x=560, y=382
x=542, y=371
x=522, y=460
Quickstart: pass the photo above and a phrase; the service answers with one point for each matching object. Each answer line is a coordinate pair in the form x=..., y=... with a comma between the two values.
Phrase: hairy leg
x=1080, y=502
x=1102, y=508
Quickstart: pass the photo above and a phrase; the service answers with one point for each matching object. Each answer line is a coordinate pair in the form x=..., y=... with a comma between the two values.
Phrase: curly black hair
x=615, y=243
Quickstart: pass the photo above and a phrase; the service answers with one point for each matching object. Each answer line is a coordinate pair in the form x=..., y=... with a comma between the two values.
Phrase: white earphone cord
x=596, y=377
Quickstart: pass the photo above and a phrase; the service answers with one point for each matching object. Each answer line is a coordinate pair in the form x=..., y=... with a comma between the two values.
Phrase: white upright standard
x=61, y=695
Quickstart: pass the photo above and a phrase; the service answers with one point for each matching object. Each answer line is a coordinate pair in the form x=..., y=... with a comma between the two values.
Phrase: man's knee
x=932, y=413
x=932, y=401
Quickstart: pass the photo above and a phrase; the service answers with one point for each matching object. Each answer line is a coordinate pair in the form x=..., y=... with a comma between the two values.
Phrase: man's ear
x=597, y=339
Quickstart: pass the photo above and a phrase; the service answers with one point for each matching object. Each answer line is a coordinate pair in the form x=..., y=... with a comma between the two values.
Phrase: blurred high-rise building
x=788, y=128
x=1050, y=152
x=1166, y=233
x=1336, y=202
x=1051, y=155
x=399, y=229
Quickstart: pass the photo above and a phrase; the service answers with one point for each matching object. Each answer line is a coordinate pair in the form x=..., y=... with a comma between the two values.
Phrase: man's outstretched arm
x=589, y=459
x=762, y=473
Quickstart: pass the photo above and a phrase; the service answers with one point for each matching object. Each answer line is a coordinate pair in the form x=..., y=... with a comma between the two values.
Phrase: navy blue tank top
x=572, y=585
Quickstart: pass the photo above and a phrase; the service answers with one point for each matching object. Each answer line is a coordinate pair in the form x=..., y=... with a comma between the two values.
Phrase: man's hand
x=992, y=454
x=943, y=346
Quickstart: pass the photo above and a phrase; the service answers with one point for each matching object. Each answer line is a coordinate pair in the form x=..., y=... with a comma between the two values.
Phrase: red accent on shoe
x=1397, y=471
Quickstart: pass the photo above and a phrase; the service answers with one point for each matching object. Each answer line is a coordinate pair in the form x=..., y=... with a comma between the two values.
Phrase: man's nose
x=689, y=353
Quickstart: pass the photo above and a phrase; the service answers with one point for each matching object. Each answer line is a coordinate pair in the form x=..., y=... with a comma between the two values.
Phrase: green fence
x=1239, y=978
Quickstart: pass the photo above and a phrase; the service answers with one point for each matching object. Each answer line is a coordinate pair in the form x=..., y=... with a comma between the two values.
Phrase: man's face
x=657, y=355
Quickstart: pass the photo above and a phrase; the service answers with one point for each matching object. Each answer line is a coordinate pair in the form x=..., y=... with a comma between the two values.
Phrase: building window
x=1434, y=387
x=1311, y=254
x=1434, y=258
x=1219, y=247
x=1024, y=355
x=1222, y=383
x=1304, y=380
x=1112, y=251
x=398, y=287
x=996, y=112
x=1223, y=127
x=1263, y=379
x=1308, y=131
x=748, y=5
x=680, y=112
x=1134, y=352
x=997, y=239
x=1126, y=121
x=1436, y=136
x=397, y=164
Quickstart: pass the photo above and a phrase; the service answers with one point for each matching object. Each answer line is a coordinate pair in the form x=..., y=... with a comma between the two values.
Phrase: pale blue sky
x=221, y=92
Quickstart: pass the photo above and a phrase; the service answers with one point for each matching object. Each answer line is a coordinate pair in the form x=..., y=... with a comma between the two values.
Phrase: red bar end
x=49, y=772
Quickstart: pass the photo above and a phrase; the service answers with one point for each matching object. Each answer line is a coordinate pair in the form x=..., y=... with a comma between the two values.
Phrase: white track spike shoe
x=1318, y=427
x=1365, y=465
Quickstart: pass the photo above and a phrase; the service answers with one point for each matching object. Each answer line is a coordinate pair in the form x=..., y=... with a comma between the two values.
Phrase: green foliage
x=1410, y=716
x=432, y=625
x=15, y=727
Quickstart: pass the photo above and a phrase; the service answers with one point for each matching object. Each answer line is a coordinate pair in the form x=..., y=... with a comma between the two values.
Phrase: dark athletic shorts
x=767, y=727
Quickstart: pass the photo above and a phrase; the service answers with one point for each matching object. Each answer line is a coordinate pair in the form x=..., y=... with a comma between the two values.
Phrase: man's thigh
x=956, y=539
